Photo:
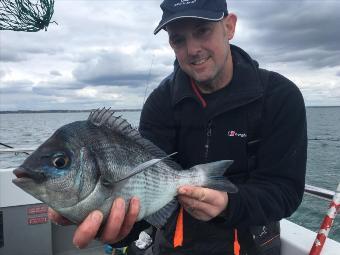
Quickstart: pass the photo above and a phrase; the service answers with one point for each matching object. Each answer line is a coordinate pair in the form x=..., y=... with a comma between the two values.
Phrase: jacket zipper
x=207, y=143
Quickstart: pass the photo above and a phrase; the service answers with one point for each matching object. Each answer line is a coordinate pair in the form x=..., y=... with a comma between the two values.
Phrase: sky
x=102, y=53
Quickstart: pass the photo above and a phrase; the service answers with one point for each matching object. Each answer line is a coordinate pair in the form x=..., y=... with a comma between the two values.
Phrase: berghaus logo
x=233, y=133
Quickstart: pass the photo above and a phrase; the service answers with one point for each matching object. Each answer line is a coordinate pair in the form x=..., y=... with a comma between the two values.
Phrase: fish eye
x=60, y=161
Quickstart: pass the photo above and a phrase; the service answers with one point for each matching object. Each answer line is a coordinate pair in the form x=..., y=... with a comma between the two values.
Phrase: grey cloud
x=314, y=58
x=28, y=45
x=296, y=35
x=72, y=99
x=114, y=68
x=14, y=87
x=55, y=73
x=56, y=88
x=50, y=92
x=21, y=101
x=36, y=47
x=49, y=49
x=11, y=56
x=133, y=79
x=291, y=27
x=2, y=74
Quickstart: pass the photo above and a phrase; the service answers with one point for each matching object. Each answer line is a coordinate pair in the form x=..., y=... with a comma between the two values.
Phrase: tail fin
x=214, y=178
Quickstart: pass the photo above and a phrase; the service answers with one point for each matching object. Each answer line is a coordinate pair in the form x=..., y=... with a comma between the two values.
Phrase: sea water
x=29, y=130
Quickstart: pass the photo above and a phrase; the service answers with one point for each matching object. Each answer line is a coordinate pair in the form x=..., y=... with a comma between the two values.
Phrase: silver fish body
x=85, y=165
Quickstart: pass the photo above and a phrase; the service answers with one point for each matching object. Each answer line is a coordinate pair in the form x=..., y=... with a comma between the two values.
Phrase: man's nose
x=193, y=46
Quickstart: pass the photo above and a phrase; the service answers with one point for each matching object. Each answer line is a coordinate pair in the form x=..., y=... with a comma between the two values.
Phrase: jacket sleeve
x=275, y=188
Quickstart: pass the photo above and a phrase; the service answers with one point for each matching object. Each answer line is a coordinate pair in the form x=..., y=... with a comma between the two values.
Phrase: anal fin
x=159, y=218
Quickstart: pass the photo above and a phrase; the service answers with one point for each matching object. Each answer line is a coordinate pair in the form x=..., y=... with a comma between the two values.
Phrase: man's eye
x=177, y=41
x=203, y=31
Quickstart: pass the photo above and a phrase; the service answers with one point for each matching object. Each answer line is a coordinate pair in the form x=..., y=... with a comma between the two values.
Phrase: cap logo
x=184, y=2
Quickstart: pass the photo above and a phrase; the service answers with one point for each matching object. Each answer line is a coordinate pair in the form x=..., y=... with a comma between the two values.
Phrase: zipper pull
x=209, y=132
x=206, y=146
x=209, y=129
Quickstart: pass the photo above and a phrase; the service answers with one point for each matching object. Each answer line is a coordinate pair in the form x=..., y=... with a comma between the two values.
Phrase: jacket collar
x=246, y=81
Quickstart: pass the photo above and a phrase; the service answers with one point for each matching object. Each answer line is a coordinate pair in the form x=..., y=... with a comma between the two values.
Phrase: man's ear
x=230, y=25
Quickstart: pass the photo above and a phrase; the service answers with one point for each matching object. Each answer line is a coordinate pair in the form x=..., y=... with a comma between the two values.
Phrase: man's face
x=202, y=49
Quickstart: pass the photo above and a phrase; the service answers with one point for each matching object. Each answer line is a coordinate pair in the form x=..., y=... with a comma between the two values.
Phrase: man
x=218, y=104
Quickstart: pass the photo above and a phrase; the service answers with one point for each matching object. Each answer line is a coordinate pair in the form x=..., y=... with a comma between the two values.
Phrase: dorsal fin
x=106, y=118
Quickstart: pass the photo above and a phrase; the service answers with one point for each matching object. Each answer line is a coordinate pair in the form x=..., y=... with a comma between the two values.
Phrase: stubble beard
x=216, y=81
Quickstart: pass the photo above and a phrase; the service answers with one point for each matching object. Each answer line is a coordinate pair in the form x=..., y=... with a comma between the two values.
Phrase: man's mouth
x=200, y=61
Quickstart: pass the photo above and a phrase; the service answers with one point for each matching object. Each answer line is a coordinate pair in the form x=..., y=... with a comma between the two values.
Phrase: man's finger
x=193, y=205
x=200, y=215
x=57, y=218
x=88, y=229
x=114, y=221
x=198, y=193
x=130, y=218
x=197, y=209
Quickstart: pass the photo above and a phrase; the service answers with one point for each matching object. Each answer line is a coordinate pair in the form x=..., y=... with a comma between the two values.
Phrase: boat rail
x=318, y=192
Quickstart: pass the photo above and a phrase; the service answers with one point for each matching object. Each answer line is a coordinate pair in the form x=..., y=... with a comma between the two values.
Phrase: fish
x=87, y=164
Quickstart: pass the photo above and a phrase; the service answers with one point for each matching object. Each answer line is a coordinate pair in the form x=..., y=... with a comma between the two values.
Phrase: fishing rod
x=11, y=149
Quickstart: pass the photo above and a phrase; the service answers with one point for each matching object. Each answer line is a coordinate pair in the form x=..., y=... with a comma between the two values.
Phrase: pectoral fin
x=144, y=166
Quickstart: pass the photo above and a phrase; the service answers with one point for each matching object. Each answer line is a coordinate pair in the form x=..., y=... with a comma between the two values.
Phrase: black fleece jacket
x=175, y=119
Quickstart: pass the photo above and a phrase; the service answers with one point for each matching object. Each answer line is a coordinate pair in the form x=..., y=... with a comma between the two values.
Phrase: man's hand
x=57, y=218
x=202, y=203
x=118, y=224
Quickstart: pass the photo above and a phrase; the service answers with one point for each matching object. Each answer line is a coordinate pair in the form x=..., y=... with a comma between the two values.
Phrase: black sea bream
x=85, y=165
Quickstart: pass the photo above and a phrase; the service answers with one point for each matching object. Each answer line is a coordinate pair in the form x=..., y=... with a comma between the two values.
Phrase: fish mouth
x=20, y=172
x=26, y=181
x=24, y=175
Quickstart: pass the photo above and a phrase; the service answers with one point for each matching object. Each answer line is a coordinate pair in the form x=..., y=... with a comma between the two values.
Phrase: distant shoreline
x=66, y=111
x=115, y=110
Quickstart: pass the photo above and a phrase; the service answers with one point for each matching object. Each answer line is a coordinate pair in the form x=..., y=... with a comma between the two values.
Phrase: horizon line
x=119, y=110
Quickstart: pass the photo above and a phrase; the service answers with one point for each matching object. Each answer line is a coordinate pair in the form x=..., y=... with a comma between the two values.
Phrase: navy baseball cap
x=213, y=10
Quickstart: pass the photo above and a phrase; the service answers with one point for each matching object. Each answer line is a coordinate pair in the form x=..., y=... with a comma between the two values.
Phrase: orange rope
x=237, y=246
x=178, y=237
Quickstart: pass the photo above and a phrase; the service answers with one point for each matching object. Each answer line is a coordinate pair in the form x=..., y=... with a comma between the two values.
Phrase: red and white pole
x=327, y=223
